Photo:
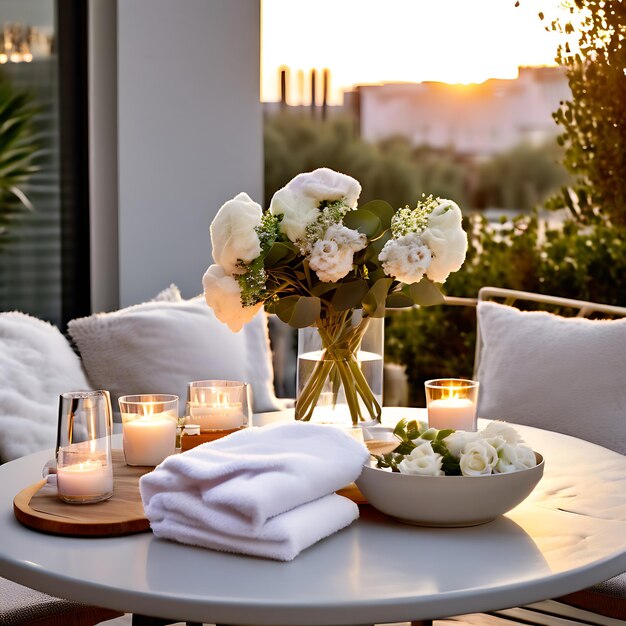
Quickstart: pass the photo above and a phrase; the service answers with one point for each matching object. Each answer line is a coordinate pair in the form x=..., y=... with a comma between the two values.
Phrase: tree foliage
x=17, y=152
x=399, y=173
x=594, y=119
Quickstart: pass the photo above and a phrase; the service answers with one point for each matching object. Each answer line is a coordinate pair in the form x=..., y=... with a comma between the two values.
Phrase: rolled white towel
x=262, y=491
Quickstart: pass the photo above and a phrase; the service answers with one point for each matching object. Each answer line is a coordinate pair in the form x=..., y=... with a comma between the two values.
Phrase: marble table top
x=570, y=533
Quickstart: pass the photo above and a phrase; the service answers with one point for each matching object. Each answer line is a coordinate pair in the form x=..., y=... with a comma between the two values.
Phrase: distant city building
x=476, y=120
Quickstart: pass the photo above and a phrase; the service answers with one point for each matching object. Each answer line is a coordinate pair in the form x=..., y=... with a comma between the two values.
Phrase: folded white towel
x=262, y=491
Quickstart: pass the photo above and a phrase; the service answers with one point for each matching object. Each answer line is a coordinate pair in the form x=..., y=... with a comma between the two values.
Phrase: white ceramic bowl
x=447, y=500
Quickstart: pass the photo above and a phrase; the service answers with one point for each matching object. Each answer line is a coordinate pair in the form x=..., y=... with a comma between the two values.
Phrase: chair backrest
x=558, y=372
x=566, y=307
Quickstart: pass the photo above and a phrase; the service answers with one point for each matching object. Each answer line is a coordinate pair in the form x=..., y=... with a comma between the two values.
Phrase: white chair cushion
x=562, y=374
x=158, y=347
x=37, y=364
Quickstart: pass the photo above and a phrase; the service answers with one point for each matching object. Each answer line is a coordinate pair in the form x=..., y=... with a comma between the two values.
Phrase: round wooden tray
x=38, y=507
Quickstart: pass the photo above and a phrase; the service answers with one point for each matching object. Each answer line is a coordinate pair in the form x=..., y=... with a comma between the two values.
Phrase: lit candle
x=452, y=403
x=218, y=416
x=457, y=413
x=148, y=439
x=87, y=479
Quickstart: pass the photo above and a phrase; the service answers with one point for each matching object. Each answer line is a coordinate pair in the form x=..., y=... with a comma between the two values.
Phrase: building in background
x=477, y=120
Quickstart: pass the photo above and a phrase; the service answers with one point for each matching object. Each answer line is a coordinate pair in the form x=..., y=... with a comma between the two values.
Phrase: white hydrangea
x=299, y=200
x=332, y=257
x=233, y=234
x=446, y=239
x=223, y=295
x=406, y=258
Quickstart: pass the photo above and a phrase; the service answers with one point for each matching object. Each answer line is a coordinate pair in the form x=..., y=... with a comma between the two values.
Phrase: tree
x=594, y=120
x=17, y=152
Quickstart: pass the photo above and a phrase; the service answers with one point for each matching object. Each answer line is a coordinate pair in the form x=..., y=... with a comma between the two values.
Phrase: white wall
x=103, y=166
x=189, y=133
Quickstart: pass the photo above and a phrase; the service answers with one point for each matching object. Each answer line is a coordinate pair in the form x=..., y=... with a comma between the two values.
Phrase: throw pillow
x=37, y=364
x=561, y=374
x=158, y=347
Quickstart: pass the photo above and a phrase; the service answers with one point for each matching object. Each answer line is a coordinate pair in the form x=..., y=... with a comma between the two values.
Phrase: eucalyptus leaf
x=278, y=253
x=382, y=209
x=321, y=289
x=349, y=295
x=363, y=221
x=305, y=312
x=398, y=300
x=374, y=248
x=374, y=300
x=426, y=293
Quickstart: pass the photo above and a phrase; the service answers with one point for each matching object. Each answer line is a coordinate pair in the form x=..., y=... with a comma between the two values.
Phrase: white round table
x=570, y=533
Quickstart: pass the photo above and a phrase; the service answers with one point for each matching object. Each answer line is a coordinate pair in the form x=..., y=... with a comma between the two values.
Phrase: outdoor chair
x=607, y=598
x=21, y=606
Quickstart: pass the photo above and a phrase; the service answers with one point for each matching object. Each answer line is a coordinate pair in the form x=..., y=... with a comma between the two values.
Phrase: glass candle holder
x=452, y=403
x=148, y=428
x=84, y=466
x=218, y=404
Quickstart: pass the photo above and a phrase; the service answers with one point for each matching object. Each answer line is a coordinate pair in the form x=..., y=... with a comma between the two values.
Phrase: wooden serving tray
x=39, y=507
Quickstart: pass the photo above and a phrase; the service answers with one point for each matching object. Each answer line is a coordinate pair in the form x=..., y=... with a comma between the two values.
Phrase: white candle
x=457, y=413
x=89, y=478
x=217, y=417
x=148, y=439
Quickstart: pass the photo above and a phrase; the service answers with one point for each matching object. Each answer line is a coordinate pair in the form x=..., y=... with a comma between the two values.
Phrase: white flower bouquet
x=314, y=257
x=497, y=449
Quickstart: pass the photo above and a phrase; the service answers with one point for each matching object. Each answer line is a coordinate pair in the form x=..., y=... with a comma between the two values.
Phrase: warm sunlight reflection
x=369, y=41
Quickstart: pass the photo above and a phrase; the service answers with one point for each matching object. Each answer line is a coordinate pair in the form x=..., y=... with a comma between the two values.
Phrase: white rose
x=446, y=239
x=232, y=233
x=299, y=200
x=332, y=258
x=422, y=461
x=478, y=458
x=406, y=258
x=501, y=429
x=423, y=446
x=456, y=441
x=223, y=295
x=507, y=455
x=525, y=457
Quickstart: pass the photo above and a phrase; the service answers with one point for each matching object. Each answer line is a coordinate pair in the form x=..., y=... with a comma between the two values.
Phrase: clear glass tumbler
x=84, y=466
x=149, y=427
x=218, y=404
x=452, y=403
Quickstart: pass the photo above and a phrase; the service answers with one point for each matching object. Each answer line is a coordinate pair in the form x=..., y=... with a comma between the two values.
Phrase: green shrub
x=587, y=263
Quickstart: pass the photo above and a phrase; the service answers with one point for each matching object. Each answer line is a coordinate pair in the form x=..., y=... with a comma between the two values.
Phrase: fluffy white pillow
x=37, y=364
x=562, y=374
x=158, y=347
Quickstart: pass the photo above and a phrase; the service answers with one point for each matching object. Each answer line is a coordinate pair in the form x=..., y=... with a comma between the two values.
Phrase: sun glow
x=371, y=41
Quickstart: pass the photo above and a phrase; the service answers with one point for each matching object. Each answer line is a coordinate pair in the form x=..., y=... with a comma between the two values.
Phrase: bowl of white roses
x=451, y=478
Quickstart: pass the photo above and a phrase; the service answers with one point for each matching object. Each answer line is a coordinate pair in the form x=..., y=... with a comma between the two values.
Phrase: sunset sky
x=369, y=41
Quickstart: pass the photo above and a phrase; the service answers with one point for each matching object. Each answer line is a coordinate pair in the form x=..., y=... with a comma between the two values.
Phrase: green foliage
x=393, y=169
x=407, y=432
x=575, y=261
x=522, y=178
x=594, y=120
x=17, y=152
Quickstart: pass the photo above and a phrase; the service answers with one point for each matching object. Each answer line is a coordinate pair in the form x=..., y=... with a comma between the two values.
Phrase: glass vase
x=340, y=370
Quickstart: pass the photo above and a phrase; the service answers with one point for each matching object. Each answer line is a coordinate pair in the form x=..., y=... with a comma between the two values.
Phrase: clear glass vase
x=340, y=370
